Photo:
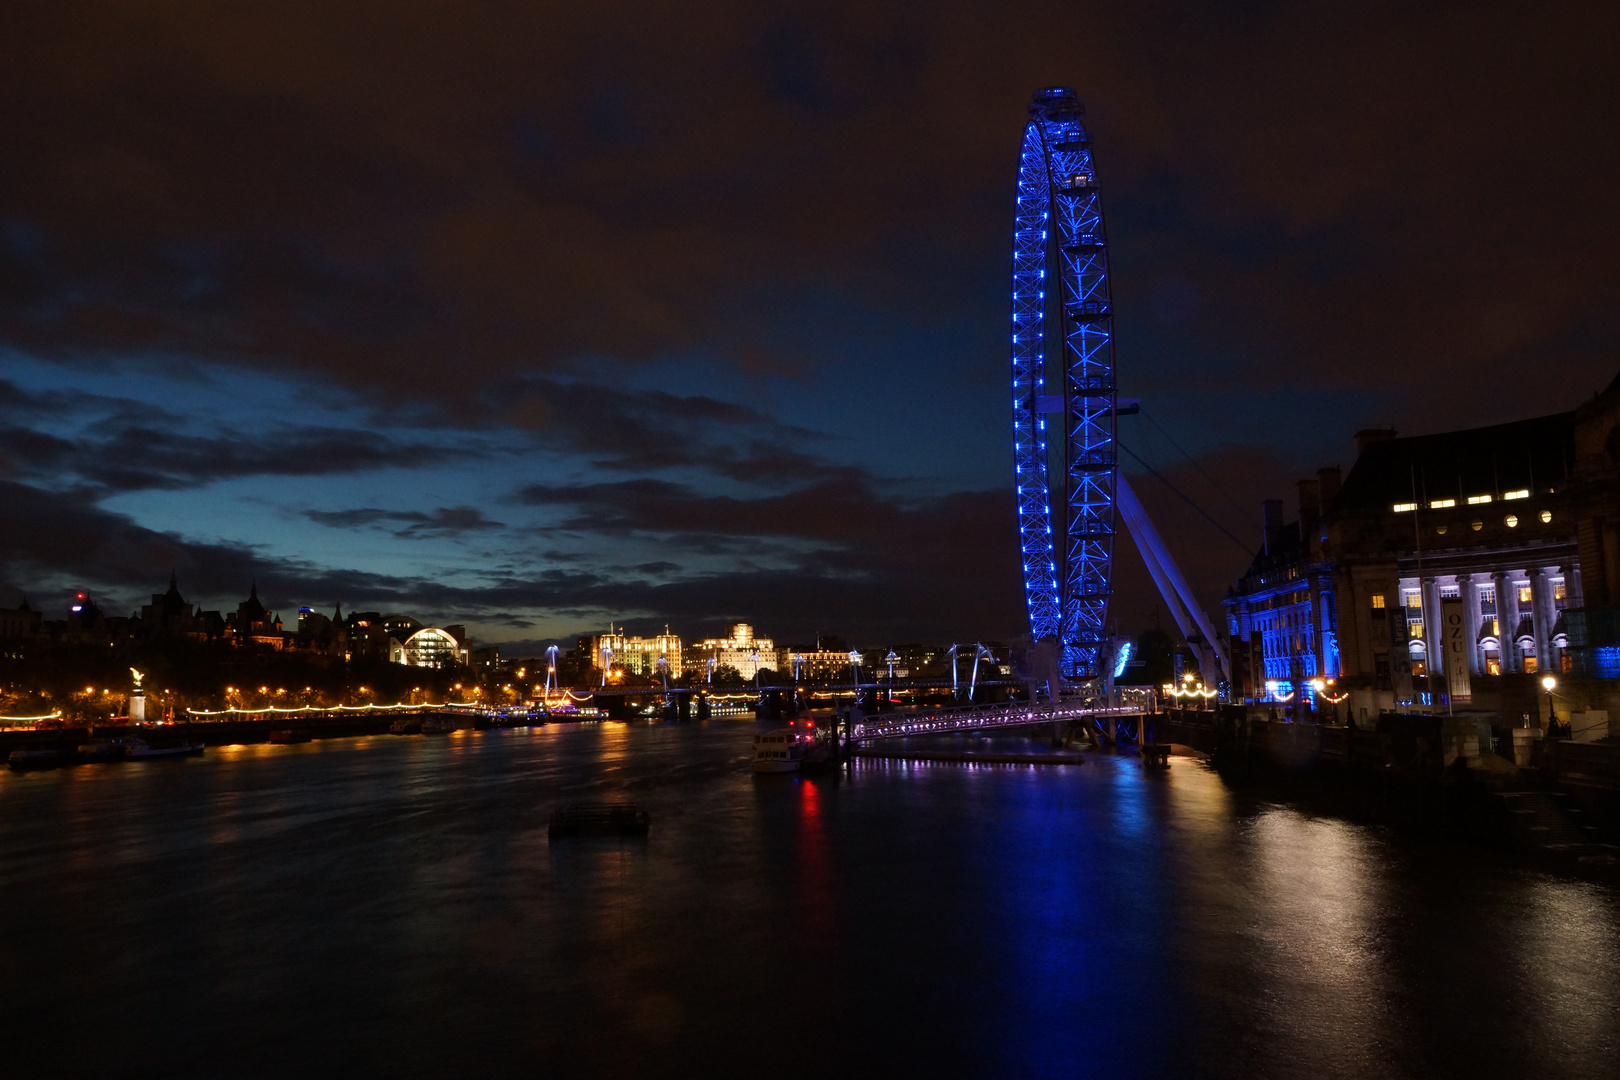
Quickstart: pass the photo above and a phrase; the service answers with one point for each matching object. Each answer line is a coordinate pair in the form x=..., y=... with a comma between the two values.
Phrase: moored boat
x=137, y=749
x=790, y=748
x=406, y=725
x=101, y=750
x=25, y=759
x=438, y=725
x=283, y=736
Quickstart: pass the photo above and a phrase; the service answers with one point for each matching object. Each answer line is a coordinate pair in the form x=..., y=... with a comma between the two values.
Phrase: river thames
x=393, y=907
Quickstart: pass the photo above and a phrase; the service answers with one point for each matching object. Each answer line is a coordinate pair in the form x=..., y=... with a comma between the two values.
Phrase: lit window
x=1478, y=525
x=1401, y=508
x=1524, y=594
x=1378, y=601
x=1522, y=493
x=1441, y=504
x=1413, y=600
x=1511, y=521
x=1546, y=516
x=1475, y=500
x=1558, y=590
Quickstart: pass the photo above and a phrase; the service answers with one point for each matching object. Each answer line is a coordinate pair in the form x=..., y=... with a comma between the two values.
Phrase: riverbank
x=1414, y=772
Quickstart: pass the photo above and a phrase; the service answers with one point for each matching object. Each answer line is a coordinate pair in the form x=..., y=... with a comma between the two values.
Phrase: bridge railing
x=1004, y=714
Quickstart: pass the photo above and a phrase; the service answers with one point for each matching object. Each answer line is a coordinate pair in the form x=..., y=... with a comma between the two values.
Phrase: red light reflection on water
x=815, y=899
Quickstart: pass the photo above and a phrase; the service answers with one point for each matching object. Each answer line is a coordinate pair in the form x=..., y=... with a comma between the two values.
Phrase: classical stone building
x=1508, y=522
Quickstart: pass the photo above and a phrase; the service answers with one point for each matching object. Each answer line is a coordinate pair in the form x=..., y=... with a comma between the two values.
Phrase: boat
x=138, y=749
x=791, y=748
x=438, y=725
x=101, y=750
x=25, y=759
x=599, y=819
x=283, y=736
x=406, y=725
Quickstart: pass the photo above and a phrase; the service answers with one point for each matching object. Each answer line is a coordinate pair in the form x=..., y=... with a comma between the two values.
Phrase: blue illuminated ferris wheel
x=1067, y=313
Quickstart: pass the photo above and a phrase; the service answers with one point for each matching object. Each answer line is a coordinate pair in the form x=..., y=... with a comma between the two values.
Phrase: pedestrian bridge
x=1122, y=704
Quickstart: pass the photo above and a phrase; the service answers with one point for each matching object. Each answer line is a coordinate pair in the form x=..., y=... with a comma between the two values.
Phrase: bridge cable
x=1185, y=498
x=1231, y=503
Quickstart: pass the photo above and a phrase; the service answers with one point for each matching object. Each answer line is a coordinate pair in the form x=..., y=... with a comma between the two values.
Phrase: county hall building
x=1517, y=524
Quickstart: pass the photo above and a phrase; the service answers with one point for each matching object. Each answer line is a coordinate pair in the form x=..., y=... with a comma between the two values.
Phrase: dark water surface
x=392, y=907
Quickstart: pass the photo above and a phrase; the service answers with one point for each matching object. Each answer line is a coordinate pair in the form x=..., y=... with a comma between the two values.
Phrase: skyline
x=533, y=325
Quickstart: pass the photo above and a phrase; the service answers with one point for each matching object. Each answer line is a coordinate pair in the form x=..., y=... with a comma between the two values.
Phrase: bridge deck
x=981, y=717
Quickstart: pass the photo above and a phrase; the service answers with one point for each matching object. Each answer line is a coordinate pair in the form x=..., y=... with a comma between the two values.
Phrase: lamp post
x=1547, y=684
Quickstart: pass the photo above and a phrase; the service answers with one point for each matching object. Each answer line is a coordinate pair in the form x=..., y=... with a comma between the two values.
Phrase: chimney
x=1271, y=519
x=1328, y=480
x=1367, y=436
x=1310, y=516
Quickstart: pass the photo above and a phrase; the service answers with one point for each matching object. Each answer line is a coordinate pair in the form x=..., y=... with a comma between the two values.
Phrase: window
x=1378, y=601
x=1413, y=600
x=1448, y=591
x=1511, y=521
x=1529, y=663
x=1441, y=504
x=1401, y=508
x=1475, y=500
x=1487, y=598
x=1524, y=594
x=1546, y=516
x=1522, y=493
x=1558, y=590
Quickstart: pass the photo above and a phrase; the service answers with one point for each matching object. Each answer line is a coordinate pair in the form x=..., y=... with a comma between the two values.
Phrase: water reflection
x=396, y=903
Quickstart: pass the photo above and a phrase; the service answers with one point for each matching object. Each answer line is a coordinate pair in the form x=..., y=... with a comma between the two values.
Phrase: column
x=1433, y=645
x=1507, y=619
x=1470, y=599
x=1540, y=604
x=1572, y=585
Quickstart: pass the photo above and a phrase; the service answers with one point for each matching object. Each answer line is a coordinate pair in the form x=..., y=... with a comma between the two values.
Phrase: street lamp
x=1547, y=684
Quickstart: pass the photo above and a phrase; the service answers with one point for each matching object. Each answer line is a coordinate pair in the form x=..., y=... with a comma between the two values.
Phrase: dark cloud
x=445, y=521
x=134, y=457
x=389, y=198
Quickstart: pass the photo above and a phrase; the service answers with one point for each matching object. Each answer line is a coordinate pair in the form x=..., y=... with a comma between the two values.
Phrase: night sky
x=533, y=318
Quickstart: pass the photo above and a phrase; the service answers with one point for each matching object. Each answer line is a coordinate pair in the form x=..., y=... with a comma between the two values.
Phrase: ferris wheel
x=1062, y=331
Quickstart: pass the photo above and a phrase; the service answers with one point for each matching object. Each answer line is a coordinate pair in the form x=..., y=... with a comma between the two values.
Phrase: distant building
x=434, y=647
x=818, y=664
x=251, y=622
x=169, y=615
x=636, y=655
x=19, y=622
x=739, y=649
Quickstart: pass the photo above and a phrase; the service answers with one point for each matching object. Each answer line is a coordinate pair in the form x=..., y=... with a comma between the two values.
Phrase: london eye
x=1062, y=333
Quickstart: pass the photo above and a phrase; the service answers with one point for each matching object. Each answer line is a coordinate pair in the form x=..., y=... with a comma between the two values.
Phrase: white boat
x=137, y=749
x=787, y=749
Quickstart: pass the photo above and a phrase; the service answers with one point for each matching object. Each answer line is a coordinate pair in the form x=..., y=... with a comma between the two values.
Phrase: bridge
x=1131, y=704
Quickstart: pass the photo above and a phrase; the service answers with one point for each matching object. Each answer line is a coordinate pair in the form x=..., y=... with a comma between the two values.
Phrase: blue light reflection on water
x=395, y=904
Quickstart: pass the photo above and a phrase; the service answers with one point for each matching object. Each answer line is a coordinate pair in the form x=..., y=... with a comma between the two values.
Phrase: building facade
x=636, y=655
x=739, y=649
x=1487, y=523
